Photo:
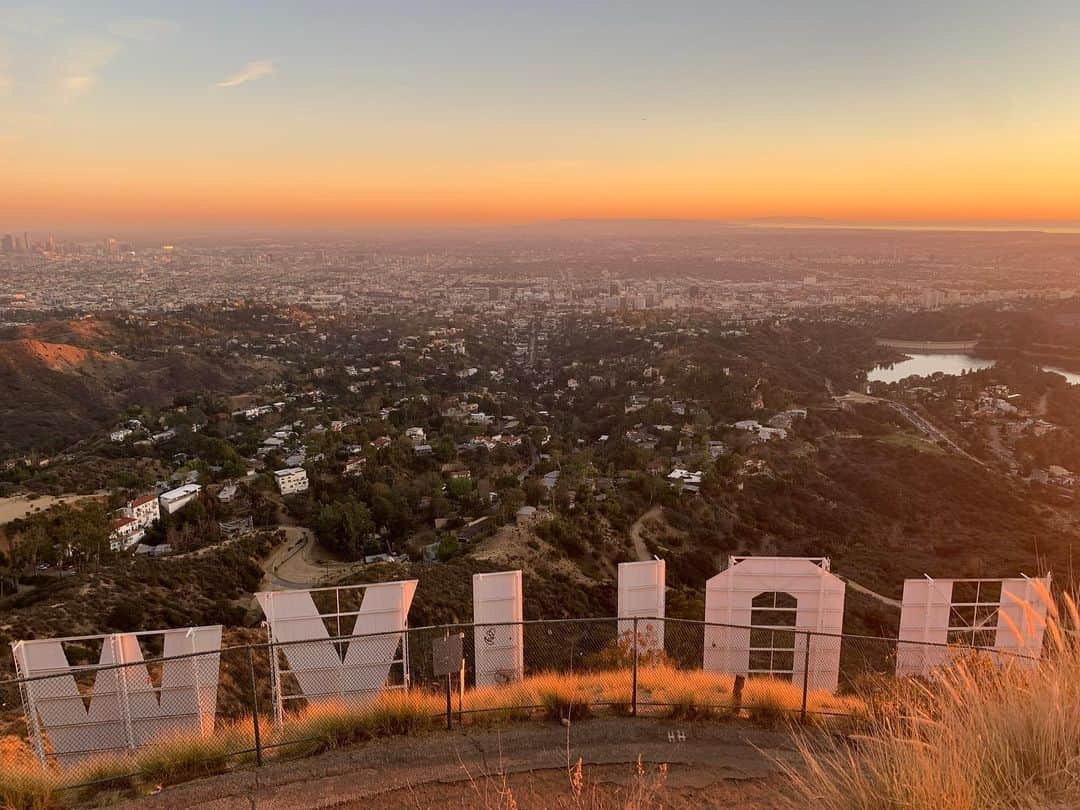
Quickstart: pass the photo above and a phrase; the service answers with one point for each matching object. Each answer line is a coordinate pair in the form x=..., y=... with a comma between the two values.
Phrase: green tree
x=344, y=526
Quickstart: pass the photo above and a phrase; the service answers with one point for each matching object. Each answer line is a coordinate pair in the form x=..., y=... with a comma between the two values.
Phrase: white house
x=124, y=532
x=176, y=499
x=762, y=433
x=526, y=516
x=291, y=480
x=143, y=510
x=685, y=480
x=355, y=465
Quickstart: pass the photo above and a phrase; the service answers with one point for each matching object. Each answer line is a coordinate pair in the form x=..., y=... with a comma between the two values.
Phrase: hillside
x=25, y=354
x=64, y=380
x=54, y=392
x=84, y=332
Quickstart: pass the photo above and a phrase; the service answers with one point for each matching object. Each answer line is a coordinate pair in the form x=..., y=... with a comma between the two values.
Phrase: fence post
x=255, y=708
x=449, y=698
x=805, y=677
x=633, y=685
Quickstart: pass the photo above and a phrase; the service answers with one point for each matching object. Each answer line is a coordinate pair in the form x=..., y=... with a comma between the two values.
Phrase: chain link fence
x=85, y=726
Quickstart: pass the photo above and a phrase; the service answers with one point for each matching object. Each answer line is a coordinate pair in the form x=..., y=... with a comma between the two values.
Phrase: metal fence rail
x=275, y=699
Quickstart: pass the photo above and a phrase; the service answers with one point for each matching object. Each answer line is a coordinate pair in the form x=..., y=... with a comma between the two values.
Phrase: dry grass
x=646, y=790
x=24, y=784
x=27, y=790
x=335, y=725
x=684, y=694
x=975, y=735
x=181, y=758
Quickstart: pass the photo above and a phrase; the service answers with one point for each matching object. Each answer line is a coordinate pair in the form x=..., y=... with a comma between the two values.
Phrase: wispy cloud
x=84, y=64
x=249, y=73
x=78, y=84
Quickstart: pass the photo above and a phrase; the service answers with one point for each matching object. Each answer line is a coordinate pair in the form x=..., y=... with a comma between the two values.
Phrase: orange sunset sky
x=331, y=113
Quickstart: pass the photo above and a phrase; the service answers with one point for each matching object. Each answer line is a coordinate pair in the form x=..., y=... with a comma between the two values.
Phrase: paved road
x=920, y=422
x=932, y=430
x=706, y=753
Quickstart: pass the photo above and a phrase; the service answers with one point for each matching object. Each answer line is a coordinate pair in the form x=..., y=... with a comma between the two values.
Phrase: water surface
x=1071, y=376
x=925, y=365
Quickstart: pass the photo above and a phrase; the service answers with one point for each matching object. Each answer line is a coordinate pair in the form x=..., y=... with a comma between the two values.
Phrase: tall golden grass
x=25, y=785
x=978, y=734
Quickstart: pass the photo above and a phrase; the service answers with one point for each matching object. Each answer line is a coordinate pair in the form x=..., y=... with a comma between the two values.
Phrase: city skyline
x=148, y=116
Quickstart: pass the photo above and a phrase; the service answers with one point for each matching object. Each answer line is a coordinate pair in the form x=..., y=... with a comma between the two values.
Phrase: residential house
x=176, y=499
x=291, y=480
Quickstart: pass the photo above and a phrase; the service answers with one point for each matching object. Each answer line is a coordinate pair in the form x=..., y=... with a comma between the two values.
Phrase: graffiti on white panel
x=758, y=612
x=641, y=596
x=124, y=708
x=337, y=652
x=498, y=638
x=941, y=617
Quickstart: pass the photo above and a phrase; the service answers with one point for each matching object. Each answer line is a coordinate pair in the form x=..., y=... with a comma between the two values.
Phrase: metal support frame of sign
x=355, y=663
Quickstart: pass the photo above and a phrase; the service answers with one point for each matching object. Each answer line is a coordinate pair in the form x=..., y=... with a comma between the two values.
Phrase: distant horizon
x=87, y=232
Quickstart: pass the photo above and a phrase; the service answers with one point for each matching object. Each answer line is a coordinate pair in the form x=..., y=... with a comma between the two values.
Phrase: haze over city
x=138, y=115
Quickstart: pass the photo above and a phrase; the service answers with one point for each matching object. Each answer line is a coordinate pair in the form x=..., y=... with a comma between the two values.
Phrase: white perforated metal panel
x=641, y=595
x=499, y=647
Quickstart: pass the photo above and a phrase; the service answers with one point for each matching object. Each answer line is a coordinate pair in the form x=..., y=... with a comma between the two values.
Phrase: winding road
x=300, y=562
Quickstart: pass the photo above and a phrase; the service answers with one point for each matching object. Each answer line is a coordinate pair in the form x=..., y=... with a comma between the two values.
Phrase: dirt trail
x=640, y=549
x=19, y=506
x=708, y=763
x=885, y=600
x=1043, y=403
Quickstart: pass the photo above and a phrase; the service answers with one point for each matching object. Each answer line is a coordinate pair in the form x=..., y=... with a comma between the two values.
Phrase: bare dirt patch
x=520, y=547
x=19, y=506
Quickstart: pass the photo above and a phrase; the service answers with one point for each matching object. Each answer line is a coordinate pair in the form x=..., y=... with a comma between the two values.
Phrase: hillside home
x=291, y=480
x=144, y=510
x=124, y=532
x=176, y=499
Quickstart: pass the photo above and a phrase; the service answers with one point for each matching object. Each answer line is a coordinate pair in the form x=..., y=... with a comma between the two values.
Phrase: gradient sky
x=162, y=113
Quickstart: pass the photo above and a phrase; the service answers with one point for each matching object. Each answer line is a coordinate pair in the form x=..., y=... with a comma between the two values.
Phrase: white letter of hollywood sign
x=374, y=640
x=498, y=642
x=126, y=710
x=929, y=613
x=819, y=596
x=641, y=596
